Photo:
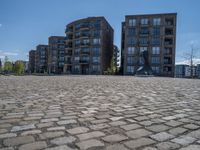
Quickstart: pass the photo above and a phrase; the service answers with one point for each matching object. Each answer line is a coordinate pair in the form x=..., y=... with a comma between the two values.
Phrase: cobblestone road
x=99, y=113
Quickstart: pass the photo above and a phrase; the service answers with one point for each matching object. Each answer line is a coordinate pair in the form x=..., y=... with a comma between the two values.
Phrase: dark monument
x=146, y=69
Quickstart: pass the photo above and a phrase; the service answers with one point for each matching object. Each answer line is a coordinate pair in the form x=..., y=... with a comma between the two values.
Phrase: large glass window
x=96, y=51
x=76, y=59
x=156, y=50
x=77, y=51
x=156, y=69
x=131, y=50
x=156, y=40
x=130, y=60
x=144, y=31
x=96, y=41
x=156, y=31
x=130, y=69
x=131, y=31
x=95, y=68
x=144, y=40
x=77, y=42
x=143, y=49
x=95, y=59
x=131, y=41
x=155, y=60
x=132, y=22
x=156, y=21
x=144, y=21
x=86, y=41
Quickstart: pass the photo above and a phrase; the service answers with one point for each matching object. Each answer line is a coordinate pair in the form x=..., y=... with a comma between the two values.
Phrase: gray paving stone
x=7, y=148
x=62, y=147
x=191, y=126
x=191, y=147
x=34, y=146
x=18, y=140
x=44, y=125
x=173, y=123
x=134, y=144
x=195, y=134
x=184, y=140
x=65, y=122
x=149, y=148
x=117, y=123
x=96, y=144
x=47, y=135
x=177, y=131
x=114, y=138
x=78, y=130
x=116, y=147
x=63, y=140
x=22, y=128
x=130, y=126
x=7, y=135
x=31, y=132
x=158, y=128
x=90, y=135
x=162, y=136
x=99, y=126
x=167, y=146
x=138, y=133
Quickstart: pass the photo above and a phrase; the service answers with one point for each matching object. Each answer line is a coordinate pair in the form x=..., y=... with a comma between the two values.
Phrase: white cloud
x=10, y=54
x=187, y=62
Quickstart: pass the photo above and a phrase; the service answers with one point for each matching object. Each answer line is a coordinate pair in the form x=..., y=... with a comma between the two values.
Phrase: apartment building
x=89, y=46
x=56, y=54
x=41, y=58
x=155, y=33
x=32, y=61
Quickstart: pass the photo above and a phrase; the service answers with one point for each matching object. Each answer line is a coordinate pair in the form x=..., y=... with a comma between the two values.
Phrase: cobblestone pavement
x=99, y=113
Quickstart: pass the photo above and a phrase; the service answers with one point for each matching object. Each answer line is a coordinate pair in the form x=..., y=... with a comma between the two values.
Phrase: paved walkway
x=99, y=113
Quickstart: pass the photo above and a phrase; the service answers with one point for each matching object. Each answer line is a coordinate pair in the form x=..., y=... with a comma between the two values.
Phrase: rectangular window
x=132, y=22
x=131, y=41
x=96, y=41
x=156, y=40
x=86, y=41
x=156, y=69
x=95, y=68
x=144, y=31
x=131, y=50
x=130, y=60
x=76, y=59
x=144, y=21
x=156, y=31
x=155, y=60
x=77, y=68
x=95, y=59
x=130, y=69
x=144, y=41
x=96, y=51
x=77, y=51
x=131, y=31
x=143, y=49
x=156, y=21
x=156, y=50
x=77, y=42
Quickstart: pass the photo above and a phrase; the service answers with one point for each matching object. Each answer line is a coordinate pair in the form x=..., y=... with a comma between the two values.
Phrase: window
x=155, y=60
x=76, y=59
x=96, y=41
x=131, y=41
x=156, y=31
x=77, y=68
x=155, y=50
x=144, y=40
x=130, y=69
x=130, y=60
x=96, y=51
x=132, y=22
x=156, y=21
x=143, y=49
x=156, y=40
x=156, y=69
x=144, y=31
x=97, y=33
x=144, y=21
x=95, y=59
x=86, y=42
x=77, y=42
x=85, y=50
x=131, y=50
x=131, y=31
x=77, y=34
x=77, y=51
x=95, y=68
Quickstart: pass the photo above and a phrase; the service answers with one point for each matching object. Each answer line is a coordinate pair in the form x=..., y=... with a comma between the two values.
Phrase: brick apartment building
x=32, y=61
x=41, y=58
x=89, y=46
x=56, y=54
x=155, y=33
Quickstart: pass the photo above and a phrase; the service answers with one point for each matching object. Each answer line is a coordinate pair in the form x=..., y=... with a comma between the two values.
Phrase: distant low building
x=188, y=73
x=180, y=70
x=198, y=70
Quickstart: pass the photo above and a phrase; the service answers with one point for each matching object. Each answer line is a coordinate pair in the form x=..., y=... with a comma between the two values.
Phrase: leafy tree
x=112, y=70
x=8, y=66
x=19, y=67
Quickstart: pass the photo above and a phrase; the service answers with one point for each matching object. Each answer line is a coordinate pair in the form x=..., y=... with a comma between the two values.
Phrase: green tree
x=19, y=67
x=8, y=66
x=112, y=70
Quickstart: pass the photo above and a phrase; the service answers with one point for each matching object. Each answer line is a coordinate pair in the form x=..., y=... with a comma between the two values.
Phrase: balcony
x=168, y=42
x=82, y=61
x=69, y=30
x=169, y=31
x=85, y=44
x=68, y=62
x=85, y=51
x=169, y=22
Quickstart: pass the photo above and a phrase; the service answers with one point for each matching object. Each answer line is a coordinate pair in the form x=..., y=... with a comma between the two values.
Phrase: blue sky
x=27, y=23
